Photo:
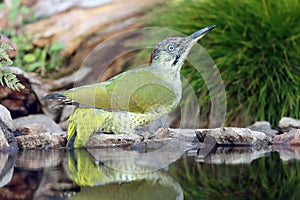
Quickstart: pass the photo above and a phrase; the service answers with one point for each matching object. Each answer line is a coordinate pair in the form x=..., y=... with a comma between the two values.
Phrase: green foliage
x=16, y=9
x=35, y=59
x=256, y=48
x=6, y=76
x=31, y=58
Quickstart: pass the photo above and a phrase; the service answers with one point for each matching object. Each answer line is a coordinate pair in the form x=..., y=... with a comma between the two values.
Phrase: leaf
x=13, y=14
x=24, y=10
x=6, y=46
x=7, y=62
x=7, y=77
x=57, y=46
x=1, y=77
x=16, y=3
x=32, y=67
x=30, y=57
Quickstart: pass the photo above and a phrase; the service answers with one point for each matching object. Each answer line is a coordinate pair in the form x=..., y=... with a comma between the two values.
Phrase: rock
x=265, y=127
x=5, y=117
x=142, y=158
x=296, y=140
x=7, y=139
x=154, y=140
x=288, y=123
x=283, y=139
x=233, y=136
x=3, y=141
x=47, y=8
x=161, y=134
x=163, y=148
x=41, y=141
x=110, y=140
x=35, y=124
x=38, y=131
x=290, y=138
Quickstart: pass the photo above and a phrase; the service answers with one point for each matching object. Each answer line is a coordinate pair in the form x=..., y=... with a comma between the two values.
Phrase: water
x=223, y=173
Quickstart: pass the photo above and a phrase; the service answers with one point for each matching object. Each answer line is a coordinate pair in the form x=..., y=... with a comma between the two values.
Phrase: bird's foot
x=145, y=136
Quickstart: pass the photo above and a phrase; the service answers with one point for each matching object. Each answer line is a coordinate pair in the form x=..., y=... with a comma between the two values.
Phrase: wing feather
x=135, y=91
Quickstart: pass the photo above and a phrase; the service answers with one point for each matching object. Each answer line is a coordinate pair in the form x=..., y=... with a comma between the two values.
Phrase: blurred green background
x=255, y=46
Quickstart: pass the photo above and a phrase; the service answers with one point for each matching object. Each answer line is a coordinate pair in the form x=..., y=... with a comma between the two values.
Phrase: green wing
x=135, y=91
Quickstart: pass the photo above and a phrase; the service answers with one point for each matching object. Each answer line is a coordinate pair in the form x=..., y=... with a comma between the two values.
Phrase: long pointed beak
x=199, y=34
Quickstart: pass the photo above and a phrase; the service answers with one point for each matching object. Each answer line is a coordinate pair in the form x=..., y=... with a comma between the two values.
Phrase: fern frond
x=7, y=77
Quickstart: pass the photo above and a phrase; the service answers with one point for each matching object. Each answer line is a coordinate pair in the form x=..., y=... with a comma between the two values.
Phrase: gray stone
x=6, y=117
x=165, y=147
x=38, y=131
x=296, y=140
x=110, y=140
x=7, y=139
x=3, y=141
x=288, y=123
x=290, y=138
x=155, y=155
x=283, y=139
x=6, y=122
x=37, y=124
x=233, y=136
x=47, y=8
x=265, y=127
x=161, y=135
x=41, y=141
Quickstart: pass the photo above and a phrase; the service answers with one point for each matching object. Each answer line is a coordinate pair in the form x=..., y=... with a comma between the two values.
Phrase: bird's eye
x=171, y=48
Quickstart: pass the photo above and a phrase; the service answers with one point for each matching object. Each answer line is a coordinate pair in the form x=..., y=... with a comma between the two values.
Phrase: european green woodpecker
x=131, y=99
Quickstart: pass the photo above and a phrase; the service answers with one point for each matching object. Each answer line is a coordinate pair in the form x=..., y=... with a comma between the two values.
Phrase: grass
x=256, y=48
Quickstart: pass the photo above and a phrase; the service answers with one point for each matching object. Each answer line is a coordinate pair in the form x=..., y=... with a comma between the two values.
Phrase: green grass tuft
x=256, y=47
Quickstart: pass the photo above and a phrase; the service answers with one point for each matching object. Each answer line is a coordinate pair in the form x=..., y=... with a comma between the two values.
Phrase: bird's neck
x=170, y=75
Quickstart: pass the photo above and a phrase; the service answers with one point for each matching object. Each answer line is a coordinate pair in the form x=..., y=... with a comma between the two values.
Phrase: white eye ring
x=171, y=48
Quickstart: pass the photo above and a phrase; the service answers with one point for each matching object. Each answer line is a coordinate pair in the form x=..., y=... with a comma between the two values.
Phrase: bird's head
x=171, y=52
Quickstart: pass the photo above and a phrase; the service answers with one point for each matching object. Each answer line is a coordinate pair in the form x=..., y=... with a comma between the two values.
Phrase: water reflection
x=7, y=161
x=138, y=183
x=267, y=177
x=232, y=155
x=112, y=173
